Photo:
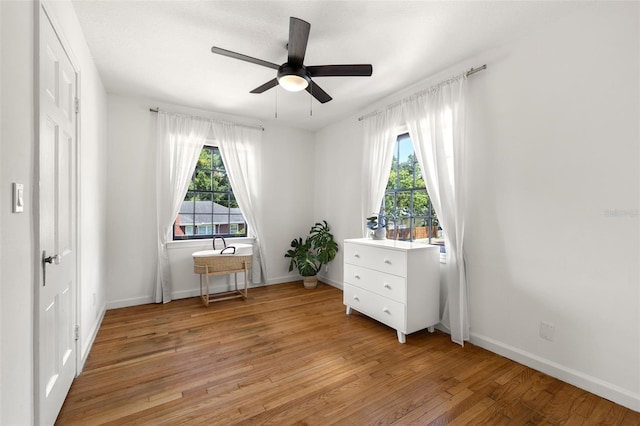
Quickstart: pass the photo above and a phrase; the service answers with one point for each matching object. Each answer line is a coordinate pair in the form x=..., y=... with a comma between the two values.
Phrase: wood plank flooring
x=288, y=355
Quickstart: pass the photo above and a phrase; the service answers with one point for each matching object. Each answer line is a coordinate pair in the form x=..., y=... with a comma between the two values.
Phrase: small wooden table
x=214, y=262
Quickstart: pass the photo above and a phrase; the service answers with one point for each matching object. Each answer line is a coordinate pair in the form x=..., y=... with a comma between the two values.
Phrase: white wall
x=552, y=231
x=338, y=165
x=131, y=241
x=17, y=245
x=554, y=148
x=16, y=369
x=1, y=209
x=287, y=206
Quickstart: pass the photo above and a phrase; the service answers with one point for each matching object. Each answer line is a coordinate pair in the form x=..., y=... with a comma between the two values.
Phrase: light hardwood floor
x=291, y=356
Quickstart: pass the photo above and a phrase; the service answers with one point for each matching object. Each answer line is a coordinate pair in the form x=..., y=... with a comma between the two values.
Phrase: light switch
x=18, y=197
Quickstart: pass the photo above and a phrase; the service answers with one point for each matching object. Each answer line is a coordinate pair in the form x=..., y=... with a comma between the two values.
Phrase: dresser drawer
x=385, y=260
x=385, y=310
x=387, y=285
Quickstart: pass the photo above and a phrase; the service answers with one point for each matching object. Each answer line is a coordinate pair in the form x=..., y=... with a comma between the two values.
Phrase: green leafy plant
x=318, y=249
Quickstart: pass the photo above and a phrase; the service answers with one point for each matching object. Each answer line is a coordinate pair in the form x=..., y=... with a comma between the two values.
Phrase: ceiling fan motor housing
x=297, y=76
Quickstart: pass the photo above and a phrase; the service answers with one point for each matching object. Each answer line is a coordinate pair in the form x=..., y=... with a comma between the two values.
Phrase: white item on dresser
x=394, y=282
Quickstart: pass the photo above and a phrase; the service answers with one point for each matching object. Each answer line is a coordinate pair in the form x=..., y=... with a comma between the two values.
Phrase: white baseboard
x=86, y=347
x=284, y=279
x=125, y=303
x=584, y=381
x=331, y=282
x=192, y=292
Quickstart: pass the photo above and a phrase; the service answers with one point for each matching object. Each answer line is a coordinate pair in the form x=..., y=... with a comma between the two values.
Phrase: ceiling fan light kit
x=293, y=76
x=293, y=79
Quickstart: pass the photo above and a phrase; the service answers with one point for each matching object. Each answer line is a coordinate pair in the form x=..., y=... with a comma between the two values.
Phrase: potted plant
x=318, y=249
x=379, y=233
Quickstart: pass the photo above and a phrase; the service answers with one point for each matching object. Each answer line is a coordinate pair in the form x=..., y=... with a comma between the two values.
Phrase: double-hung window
x=406, y=207
x=209, y=208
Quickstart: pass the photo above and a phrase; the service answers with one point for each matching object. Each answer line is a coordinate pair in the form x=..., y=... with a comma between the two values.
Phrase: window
x=406, y=208
x=209, y=208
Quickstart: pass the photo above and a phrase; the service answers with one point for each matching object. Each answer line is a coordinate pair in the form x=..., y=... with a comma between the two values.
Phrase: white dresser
x=394, y=282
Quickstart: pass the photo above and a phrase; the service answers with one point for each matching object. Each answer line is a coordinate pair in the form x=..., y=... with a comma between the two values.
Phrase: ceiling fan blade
x=360, y=70
x=317, y=92
x=235, y=55
x=268, y=85
x=298, y=38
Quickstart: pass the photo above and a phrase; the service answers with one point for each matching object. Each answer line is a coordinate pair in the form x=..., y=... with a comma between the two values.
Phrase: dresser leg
x=402, y=338
x=348, y=310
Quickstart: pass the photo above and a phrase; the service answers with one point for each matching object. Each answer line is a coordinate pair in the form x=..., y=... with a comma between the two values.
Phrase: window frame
x=212, y=192
x=429, y=218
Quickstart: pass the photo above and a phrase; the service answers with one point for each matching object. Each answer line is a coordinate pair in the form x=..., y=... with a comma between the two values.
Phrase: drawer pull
x=387, y=261
x=356, y=298
x=386, y=310
x=386, y=285
x=356, y=255
x=356, y=276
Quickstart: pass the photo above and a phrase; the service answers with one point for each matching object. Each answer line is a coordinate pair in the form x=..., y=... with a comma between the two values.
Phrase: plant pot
x=310, y=282
x=380, y=234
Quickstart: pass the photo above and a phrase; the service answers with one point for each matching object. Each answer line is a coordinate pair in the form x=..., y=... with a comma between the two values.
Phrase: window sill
x=206, y=244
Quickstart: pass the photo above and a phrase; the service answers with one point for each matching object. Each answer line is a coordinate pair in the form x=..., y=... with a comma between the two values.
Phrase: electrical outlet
x=547, y=331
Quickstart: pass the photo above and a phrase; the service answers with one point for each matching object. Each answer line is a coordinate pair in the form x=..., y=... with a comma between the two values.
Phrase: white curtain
x=380, y=134
x=179, y=142
x=240, y=150
x=436, y=122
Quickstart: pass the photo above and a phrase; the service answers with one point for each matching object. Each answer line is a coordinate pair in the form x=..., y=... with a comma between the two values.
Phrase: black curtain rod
x=220, y=121
x=466, y=74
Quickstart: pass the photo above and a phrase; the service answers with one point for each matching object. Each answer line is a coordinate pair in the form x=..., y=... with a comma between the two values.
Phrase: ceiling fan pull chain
x=276, y=102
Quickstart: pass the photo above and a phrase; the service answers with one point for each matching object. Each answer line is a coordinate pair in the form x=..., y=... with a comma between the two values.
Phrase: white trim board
x=86, y=348
x=331, y=282
x=584, y=381
x=134, y=301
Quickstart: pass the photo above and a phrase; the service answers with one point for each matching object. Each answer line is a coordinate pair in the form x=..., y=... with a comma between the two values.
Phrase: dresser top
x=393, y=244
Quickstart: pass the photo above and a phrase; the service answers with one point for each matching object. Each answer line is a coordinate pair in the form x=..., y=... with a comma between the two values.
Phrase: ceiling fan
x=293, y=75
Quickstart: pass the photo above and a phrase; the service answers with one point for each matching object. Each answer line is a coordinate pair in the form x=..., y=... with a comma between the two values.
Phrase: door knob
x=55, y=259
x=51, y=259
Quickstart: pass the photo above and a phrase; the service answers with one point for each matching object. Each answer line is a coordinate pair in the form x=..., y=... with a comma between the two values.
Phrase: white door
x=55, y=326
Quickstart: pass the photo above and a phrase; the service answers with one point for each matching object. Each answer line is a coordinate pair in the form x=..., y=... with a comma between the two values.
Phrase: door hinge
x=77, y=102
x=77, y=332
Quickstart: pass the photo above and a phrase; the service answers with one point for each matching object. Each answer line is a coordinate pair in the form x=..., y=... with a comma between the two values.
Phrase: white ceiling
x=161, y=49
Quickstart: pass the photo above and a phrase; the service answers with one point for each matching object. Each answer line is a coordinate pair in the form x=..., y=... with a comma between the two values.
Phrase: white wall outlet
x=547, y=331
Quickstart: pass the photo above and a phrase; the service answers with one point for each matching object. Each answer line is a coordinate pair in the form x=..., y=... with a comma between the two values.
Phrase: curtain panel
x=180, y=140
x=240, y=150
x=380, y=133
x=436, y=120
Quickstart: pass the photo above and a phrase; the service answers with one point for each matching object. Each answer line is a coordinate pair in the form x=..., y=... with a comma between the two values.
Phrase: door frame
x=37, y=265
